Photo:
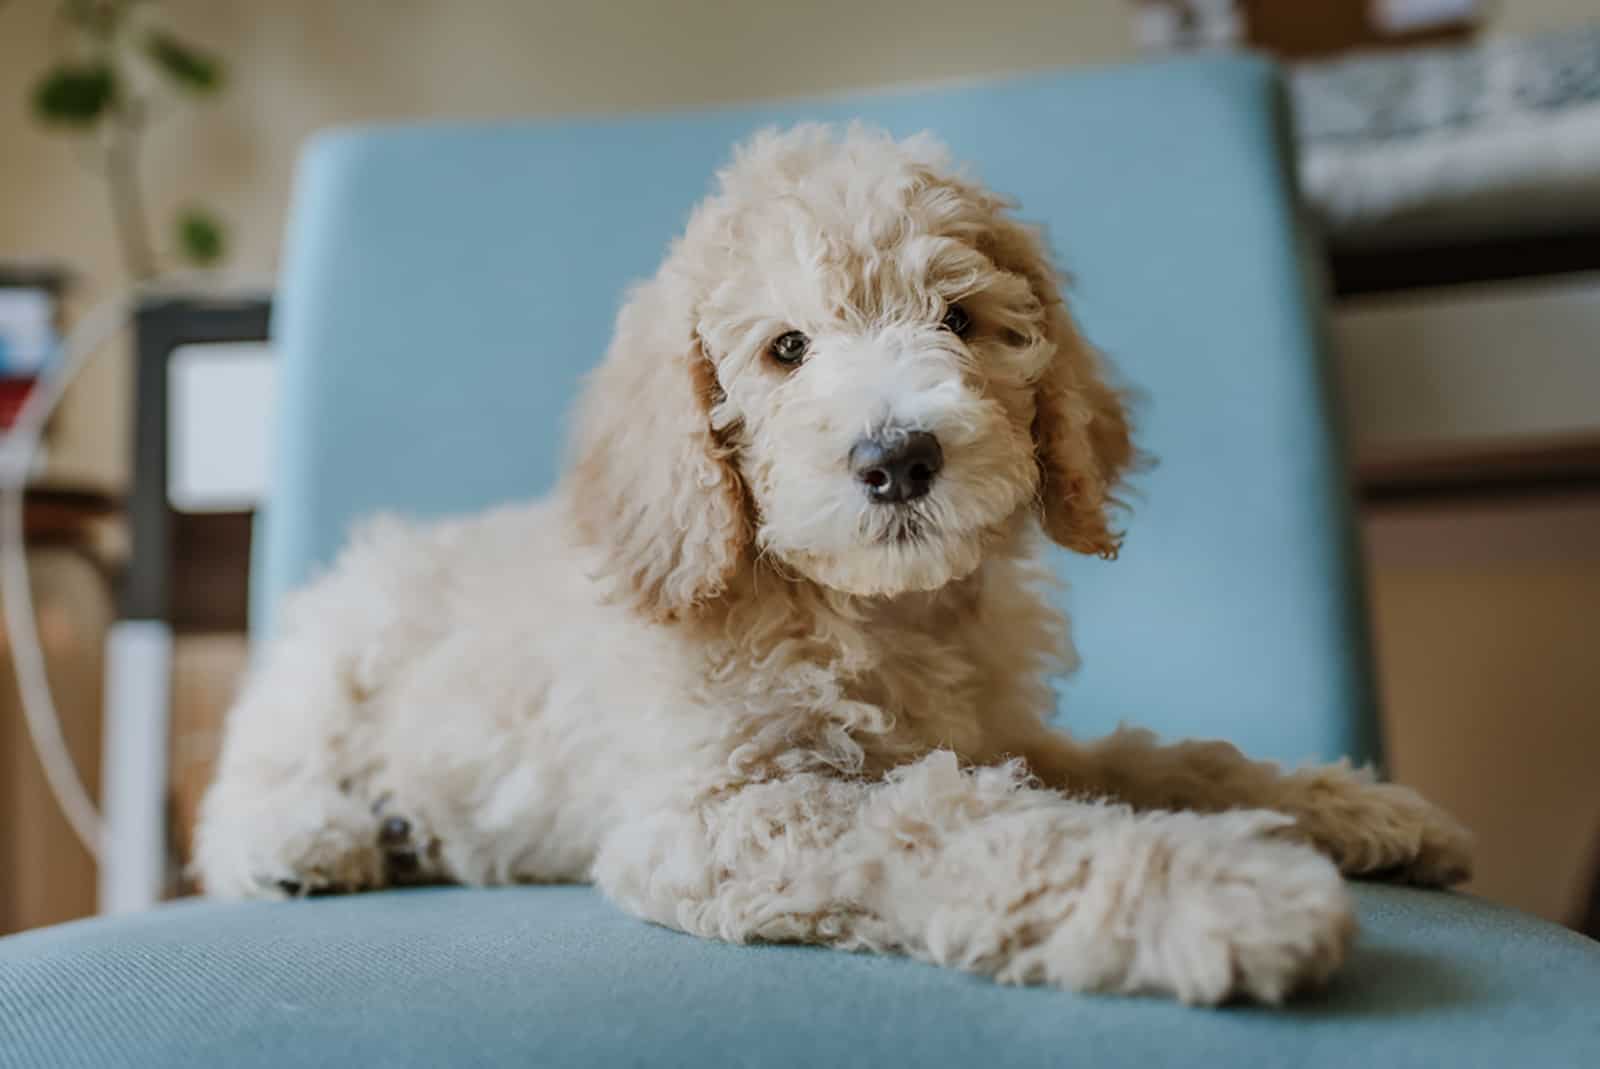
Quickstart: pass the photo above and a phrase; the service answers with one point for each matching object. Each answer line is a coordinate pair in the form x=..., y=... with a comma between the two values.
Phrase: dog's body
x=772, y=662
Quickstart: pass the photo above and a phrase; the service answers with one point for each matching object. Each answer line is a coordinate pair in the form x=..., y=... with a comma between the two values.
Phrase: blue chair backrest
x=447, y=286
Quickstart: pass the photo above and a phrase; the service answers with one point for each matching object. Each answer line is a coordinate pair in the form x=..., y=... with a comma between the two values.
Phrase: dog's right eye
x=790, y=348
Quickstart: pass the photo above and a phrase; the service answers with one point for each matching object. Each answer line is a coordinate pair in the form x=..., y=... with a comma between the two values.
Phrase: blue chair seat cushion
x=557, y=976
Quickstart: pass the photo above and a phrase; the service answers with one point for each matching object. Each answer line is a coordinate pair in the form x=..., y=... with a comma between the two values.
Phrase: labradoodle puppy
x=771, y=663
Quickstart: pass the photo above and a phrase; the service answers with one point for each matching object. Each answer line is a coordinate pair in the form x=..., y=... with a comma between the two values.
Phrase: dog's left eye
x=789, y=348
x=957, y=321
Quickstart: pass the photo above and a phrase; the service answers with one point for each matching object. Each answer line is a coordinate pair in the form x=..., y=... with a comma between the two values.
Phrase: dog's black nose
x=897, y=465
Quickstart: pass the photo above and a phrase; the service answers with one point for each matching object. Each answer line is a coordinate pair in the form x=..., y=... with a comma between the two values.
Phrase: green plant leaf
x=75, y=94
x=186, y=65
x=202, y=239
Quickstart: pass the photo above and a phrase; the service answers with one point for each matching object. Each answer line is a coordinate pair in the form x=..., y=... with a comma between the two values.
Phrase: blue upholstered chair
x=445, y=289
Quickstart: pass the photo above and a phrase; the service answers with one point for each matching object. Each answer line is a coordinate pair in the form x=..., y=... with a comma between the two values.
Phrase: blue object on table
x=27, y=327
x=444, y=290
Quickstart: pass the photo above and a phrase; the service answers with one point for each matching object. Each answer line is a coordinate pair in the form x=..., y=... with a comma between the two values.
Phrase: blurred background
x=1449, y=148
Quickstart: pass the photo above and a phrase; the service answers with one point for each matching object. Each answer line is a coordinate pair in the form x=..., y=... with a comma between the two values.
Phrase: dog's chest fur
x=872, y=683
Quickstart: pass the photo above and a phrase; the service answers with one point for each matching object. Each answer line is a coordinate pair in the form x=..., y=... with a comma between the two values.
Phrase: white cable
x=27, y=654
x=20, y=445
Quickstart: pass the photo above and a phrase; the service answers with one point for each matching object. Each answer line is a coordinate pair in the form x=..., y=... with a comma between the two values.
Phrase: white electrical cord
x=17, y=452
x=27, y=654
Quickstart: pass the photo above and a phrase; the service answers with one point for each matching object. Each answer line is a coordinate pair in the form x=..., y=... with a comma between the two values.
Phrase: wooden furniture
x=1314, y=28
x=45, y=874
x=1561, y=463
x=1525, y=475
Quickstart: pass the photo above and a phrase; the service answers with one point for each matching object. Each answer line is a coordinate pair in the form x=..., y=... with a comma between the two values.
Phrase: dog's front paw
x=1243, y=915
x=287, y=844
x=1378, y=829
x=410, y=854
x=1206, y=908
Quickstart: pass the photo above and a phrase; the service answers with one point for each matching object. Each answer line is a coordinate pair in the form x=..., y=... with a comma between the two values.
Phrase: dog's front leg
x=976, y=869
x=1369, y=828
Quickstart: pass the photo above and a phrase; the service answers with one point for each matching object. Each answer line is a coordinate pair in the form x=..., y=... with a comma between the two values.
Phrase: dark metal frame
x=1505, y=258
x=161, y=326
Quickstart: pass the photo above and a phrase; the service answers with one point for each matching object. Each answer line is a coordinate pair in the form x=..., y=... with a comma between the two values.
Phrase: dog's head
x=855, y=364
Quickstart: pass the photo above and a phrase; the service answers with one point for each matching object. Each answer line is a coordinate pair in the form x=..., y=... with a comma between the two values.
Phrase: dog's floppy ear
x=1080, y=428
x=652, y=485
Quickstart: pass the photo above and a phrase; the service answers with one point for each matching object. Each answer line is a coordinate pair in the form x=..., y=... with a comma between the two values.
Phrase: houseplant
x=120, y=67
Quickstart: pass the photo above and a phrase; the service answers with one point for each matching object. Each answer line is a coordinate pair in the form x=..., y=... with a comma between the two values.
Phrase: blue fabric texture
x=555, y=976
x=446, y=288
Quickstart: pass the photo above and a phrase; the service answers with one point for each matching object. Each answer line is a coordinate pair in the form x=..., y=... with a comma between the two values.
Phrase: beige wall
x=1535, y=16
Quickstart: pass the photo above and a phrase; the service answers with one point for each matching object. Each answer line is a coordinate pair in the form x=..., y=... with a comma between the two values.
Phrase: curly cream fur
x=710, y=676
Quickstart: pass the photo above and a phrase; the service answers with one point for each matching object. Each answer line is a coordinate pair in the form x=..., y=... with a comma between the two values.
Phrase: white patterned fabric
x=1453, y=142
